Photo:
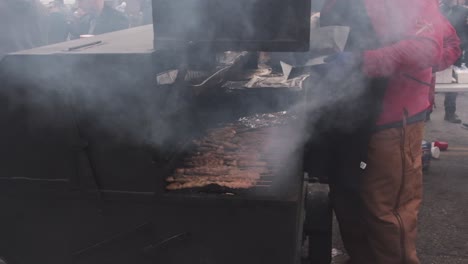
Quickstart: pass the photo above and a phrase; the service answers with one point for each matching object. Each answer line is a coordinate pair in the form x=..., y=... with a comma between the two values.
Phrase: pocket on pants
x=413, y=166
x=413, y=147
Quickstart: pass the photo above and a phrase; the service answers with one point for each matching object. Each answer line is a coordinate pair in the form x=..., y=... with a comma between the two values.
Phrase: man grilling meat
x=94, y=17
x=374, y=164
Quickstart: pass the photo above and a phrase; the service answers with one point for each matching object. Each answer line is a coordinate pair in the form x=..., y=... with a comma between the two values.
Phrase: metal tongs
x=209, y=81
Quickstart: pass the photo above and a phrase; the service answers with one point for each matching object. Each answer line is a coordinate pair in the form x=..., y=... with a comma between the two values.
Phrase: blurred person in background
x=147, y=11
x=133, y=11
x=121, y=6
x=22, y=25
x=139, y=12
x=94, y=17
x=457, y=14
x=58, y=22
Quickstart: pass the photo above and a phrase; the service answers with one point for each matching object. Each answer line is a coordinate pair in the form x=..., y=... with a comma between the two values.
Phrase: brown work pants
x=378, y=221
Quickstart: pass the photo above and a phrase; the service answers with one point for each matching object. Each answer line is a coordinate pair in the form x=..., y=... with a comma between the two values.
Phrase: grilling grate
x=246, y=155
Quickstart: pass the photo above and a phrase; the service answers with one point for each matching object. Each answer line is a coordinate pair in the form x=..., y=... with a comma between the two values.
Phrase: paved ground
x=443, y=236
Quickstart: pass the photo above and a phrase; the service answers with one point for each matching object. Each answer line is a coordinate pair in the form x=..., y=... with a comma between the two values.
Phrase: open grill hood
x=254, y=25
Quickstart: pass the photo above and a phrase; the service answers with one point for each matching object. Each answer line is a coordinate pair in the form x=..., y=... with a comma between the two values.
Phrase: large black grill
x=89, y=138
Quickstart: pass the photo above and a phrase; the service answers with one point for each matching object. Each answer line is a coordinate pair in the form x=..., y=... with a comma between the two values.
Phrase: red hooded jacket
x=411, y=38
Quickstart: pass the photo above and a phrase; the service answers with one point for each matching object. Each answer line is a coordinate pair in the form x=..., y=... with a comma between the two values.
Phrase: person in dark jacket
x=146, y=9
x=22, y=25
x=457, y=14
x=58, y=22
x=376, y=185
x=94, y=17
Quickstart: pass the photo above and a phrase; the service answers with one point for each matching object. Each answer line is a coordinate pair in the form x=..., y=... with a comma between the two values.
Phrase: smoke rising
x=115, y=97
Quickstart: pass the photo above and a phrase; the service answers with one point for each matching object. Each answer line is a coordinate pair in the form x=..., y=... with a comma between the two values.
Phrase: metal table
x=451, y=87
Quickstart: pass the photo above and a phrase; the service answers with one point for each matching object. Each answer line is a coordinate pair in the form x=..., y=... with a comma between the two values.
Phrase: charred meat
x=234, y=155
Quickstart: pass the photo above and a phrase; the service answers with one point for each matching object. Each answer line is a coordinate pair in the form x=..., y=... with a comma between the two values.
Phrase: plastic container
x=461, y=74
x=427, y=155
x=441, y=145
x=435, y=152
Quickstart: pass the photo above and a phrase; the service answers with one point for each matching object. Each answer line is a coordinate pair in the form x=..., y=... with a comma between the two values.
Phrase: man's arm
x=406, y=55
x=451, y=47
x=419, y=48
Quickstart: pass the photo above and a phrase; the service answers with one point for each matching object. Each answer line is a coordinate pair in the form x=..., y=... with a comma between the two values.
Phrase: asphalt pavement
x=443, y=220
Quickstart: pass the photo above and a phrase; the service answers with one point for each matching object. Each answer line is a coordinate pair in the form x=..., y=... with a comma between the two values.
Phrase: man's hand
x=343, y=58
x=340, y=66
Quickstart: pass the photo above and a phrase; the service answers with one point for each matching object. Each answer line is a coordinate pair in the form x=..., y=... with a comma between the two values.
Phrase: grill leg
x=318, y=224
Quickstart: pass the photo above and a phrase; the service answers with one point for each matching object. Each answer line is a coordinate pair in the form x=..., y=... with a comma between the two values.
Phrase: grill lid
x=253, y=25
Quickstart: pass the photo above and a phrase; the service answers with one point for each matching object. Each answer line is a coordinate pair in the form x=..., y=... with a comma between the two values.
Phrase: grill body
x=83, y=168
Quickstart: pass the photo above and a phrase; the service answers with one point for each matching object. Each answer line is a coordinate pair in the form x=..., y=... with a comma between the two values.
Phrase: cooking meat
x=233, y=174
x=233, y=156
x=205, y=170
x=241, y=184
x=250, y=163
x=225, y=178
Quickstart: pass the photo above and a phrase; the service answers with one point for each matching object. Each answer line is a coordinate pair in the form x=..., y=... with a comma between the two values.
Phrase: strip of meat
x=205, y=149
x=252, y=163
x=229, y=128
x=232, y=185
x=228, y=145
x=260, y=170
x=206, y=170
x=232, y=163
x=208, y=178
x=221, y=136
x=204, y=162
x=209, y=145
x=216, y=171
x=232, y=174
x=243, y=156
